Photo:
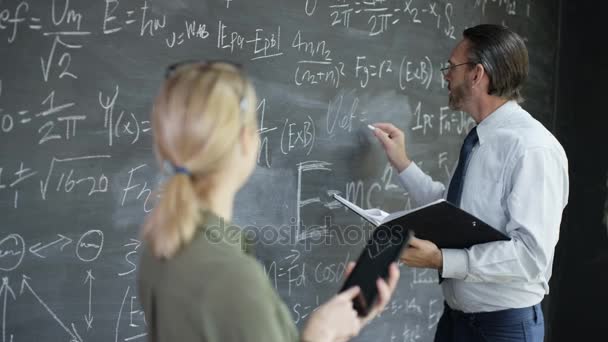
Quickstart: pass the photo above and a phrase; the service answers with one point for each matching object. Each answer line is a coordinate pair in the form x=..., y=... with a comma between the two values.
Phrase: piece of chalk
x=371, y=127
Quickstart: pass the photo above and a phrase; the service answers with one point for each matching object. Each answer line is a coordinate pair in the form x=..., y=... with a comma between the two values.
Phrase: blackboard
x=77, y=172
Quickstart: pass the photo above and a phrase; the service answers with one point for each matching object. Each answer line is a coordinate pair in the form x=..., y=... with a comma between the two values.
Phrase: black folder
x=440, y=222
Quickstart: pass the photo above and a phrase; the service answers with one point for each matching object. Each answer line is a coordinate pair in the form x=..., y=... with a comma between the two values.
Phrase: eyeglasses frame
x=447, y=69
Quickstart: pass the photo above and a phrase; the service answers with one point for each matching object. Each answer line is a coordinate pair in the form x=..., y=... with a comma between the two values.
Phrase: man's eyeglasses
x=174, y=68
x=447, y=69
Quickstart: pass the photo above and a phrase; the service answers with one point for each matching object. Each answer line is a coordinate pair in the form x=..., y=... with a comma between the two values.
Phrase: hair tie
x=181, y=170
x=173, y=170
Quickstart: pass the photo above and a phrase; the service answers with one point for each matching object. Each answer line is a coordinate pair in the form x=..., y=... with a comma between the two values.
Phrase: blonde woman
x=196, y=280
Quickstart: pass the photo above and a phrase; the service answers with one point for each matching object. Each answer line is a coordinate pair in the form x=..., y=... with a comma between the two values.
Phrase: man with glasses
x=513, y=174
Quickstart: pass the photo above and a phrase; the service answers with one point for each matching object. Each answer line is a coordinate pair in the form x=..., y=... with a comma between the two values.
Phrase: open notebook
x=440, y=222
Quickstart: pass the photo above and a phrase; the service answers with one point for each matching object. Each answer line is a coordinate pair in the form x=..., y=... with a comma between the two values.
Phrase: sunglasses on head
x=201, y=63
x=172, y=70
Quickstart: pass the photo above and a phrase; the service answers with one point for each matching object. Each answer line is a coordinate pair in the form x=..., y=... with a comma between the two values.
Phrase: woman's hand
x=385, y=290
x=335, y=320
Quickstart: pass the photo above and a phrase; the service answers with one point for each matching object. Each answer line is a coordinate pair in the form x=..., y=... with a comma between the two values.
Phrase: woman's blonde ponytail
x=174, y=220
x=196, y=120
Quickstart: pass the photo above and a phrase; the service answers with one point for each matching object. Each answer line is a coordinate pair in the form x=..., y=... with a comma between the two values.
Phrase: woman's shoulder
x=244, y=270
x=222, y=284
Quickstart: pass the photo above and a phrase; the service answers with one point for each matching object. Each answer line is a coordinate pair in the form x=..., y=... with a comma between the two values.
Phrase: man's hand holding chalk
x=393, y=141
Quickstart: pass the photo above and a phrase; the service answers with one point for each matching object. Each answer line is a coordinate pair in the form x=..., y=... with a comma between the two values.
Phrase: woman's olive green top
x=211, y=290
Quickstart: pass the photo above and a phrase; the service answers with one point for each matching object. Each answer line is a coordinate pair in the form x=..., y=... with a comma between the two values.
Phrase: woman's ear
x=247, y=139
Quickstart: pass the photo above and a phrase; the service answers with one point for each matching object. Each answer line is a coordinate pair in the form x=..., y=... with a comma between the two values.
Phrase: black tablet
x=382, y=249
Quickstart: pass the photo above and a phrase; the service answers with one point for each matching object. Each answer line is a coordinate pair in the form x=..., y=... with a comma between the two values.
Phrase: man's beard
x=458, y=95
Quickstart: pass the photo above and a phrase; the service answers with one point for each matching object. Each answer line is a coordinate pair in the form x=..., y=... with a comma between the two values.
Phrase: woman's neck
x=220, y=200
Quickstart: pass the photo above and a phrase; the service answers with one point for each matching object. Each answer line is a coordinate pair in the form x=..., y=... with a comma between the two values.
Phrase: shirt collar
x=496, y=119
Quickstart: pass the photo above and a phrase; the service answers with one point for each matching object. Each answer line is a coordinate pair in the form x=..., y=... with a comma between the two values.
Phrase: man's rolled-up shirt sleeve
x=420, y=186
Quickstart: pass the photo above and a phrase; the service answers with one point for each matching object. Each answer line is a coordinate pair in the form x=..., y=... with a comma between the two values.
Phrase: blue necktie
x=455, y=189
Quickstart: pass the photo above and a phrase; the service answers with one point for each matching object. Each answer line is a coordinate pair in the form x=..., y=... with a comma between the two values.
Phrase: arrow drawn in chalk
x=72, y=332
x=37, y=247
x=89, y=318
x=5, y=290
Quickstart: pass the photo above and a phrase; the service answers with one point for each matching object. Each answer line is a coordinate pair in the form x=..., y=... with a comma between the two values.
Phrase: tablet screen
x=383, y=248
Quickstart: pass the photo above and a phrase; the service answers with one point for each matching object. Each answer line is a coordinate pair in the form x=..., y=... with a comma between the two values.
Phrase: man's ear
x=478, y=74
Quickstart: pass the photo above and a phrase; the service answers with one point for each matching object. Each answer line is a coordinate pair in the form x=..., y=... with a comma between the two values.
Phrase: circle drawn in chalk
x=11, y=255
x=89, y=245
